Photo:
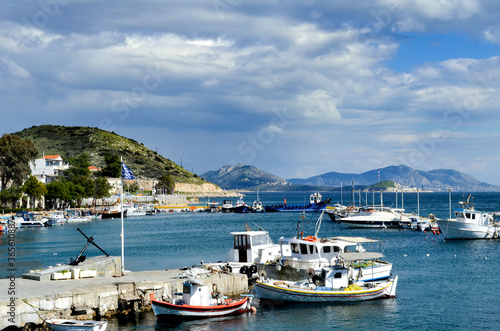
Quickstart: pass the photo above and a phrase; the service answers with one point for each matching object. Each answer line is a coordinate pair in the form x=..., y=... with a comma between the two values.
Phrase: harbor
x=178, y=241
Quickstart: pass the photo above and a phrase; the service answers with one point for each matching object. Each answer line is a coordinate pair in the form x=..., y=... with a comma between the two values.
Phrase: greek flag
x=126, y=172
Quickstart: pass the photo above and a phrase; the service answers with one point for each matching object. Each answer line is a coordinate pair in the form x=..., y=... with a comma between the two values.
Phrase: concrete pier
x=89, y=298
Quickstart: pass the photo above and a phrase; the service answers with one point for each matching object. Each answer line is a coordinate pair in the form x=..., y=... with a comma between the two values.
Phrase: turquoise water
x=442, y=285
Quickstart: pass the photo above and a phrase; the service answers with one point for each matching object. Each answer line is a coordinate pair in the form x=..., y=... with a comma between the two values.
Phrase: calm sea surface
x=442, y=285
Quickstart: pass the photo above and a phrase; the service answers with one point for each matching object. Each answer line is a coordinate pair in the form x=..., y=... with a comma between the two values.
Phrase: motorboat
x=241, y=207
x=376, y=217
x=199, y=301
x=24, y=219
x=470, y=223
x=227, y=206
x=332, y=284
x=75, y=325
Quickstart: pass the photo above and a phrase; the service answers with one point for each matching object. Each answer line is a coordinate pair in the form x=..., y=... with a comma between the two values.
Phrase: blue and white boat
x=315, y=205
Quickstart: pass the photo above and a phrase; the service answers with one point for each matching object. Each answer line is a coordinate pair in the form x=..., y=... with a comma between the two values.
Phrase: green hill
x=72, y=141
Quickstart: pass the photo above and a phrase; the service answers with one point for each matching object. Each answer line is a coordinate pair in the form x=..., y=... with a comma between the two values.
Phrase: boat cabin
x=335, y=277
x=315, y=198
x=325, y=251
x=473, y=216
x=195, y=294
x=253, y=247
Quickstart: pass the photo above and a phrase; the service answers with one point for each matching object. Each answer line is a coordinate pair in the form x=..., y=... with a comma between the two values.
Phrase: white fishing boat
x=470, y=223
x=75, y=325
x=134, y=210
x=77, y=216
x=249, y=248
x=199, y=301
x=333, y=284
x=300, y=255
x=257, y=207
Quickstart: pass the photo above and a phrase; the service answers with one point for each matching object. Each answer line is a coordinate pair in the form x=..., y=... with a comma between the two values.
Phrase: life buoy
x=311, y=239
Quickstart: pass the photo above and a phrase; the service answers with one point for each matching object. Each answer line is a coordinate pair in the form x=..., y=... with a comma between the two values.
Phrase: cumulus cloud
x=222, y=70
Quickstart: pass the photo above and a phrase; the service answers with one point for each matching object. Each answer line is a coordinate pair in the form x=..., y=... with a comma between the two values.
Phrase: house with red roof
x=47, y=168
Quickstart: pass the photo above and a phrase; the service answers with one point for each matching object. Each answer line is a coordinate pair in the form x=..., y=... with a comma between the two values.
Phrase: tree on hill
x=16, y=154
x=113, y=166
x=165, y=185
x=34, y=189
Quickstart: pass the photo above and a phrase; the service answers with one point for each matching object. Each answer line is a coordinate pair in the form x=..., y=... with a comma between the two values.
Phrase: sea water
x=442, y=284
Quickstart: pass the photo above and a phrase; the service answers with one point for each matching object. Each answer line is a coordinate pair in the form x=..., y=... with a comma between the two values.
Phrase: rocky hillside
x=72, y=141
x=241, y=176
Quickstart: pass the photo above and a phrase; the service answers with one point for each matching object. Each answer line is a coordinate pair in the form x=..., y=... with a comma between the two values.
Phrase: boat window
x=313, y=249
x=260, y=239
x=241, y=242
x=295, y=247
x=350, y=248
x=303, y=249
x=473, y=216
x=337, y=275
x=467, y=215
x=327, y=249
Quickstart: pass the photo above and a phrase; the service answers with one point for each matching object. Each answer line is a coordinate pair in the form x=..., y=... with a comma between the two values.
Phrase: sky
x=295, y=88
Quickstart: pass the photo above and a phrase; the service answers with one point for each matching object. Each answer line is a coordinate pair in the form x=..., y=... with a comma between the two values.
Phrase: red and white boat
x=198, y=302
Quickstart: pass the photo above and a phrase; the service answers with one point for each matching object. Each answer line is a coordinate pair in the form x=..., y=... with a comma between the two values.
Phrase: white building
x=48, y=167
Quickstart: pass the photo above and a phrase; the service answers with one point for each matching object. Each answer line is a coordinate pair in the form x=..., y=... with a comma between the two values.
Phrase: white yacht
x=376, y=217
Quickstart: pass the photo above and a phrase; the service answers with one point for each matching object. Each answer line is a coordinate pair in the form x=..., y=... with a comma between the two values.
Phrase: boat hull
x=316, y=207
x=164, y=309
x=276, y=292
x=356, y=223
x=462, y=230
x=75, y=325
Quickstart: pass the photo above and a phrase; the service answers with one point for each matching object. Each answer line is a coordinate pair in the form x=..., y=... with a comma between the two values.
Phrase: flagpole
x=121, y=205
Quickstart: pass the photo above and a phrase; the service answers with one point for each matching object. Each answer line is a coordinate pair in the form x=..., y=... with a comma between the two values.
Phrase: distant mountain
x=436, y=180
x=241, y=176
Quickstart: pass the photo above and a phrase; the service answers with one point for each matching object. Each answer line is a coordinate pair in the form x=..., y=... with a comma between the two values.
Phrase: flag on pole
x=126, y=172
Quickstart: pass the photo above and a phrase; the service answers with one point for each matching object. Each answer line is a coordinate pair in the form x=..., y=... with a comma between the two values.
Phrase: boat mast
x=341, y=200
x=449, y=198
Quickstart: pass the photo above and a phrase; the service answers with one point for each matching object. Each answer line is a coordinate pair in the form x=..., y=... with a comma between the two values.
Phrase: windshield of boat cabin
x=260, y=239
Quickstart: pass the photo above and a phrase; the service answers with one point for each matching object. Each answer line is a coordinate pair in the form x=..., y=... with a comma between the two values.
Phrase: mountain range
x=251, y=178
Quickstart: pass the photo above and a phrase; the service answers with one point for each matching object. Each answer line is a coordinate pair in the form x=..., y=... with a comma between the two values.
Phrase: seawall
x=33, y=301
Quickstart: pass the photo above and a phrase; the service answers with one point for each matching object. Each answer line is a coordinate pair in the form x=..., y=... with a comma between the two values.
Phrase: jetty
x=95, y=289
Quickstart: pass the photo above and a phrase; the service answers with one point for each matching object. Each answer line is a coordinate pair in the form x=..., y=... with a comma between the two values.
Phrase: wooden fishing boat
x=75, y=325
x=333, y=285
x=198, y=302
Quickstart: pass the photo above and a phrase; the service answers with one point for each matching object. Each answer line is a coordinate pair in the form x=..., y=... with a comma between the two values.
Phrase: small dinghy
x=198, y=302
x=75, y=325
